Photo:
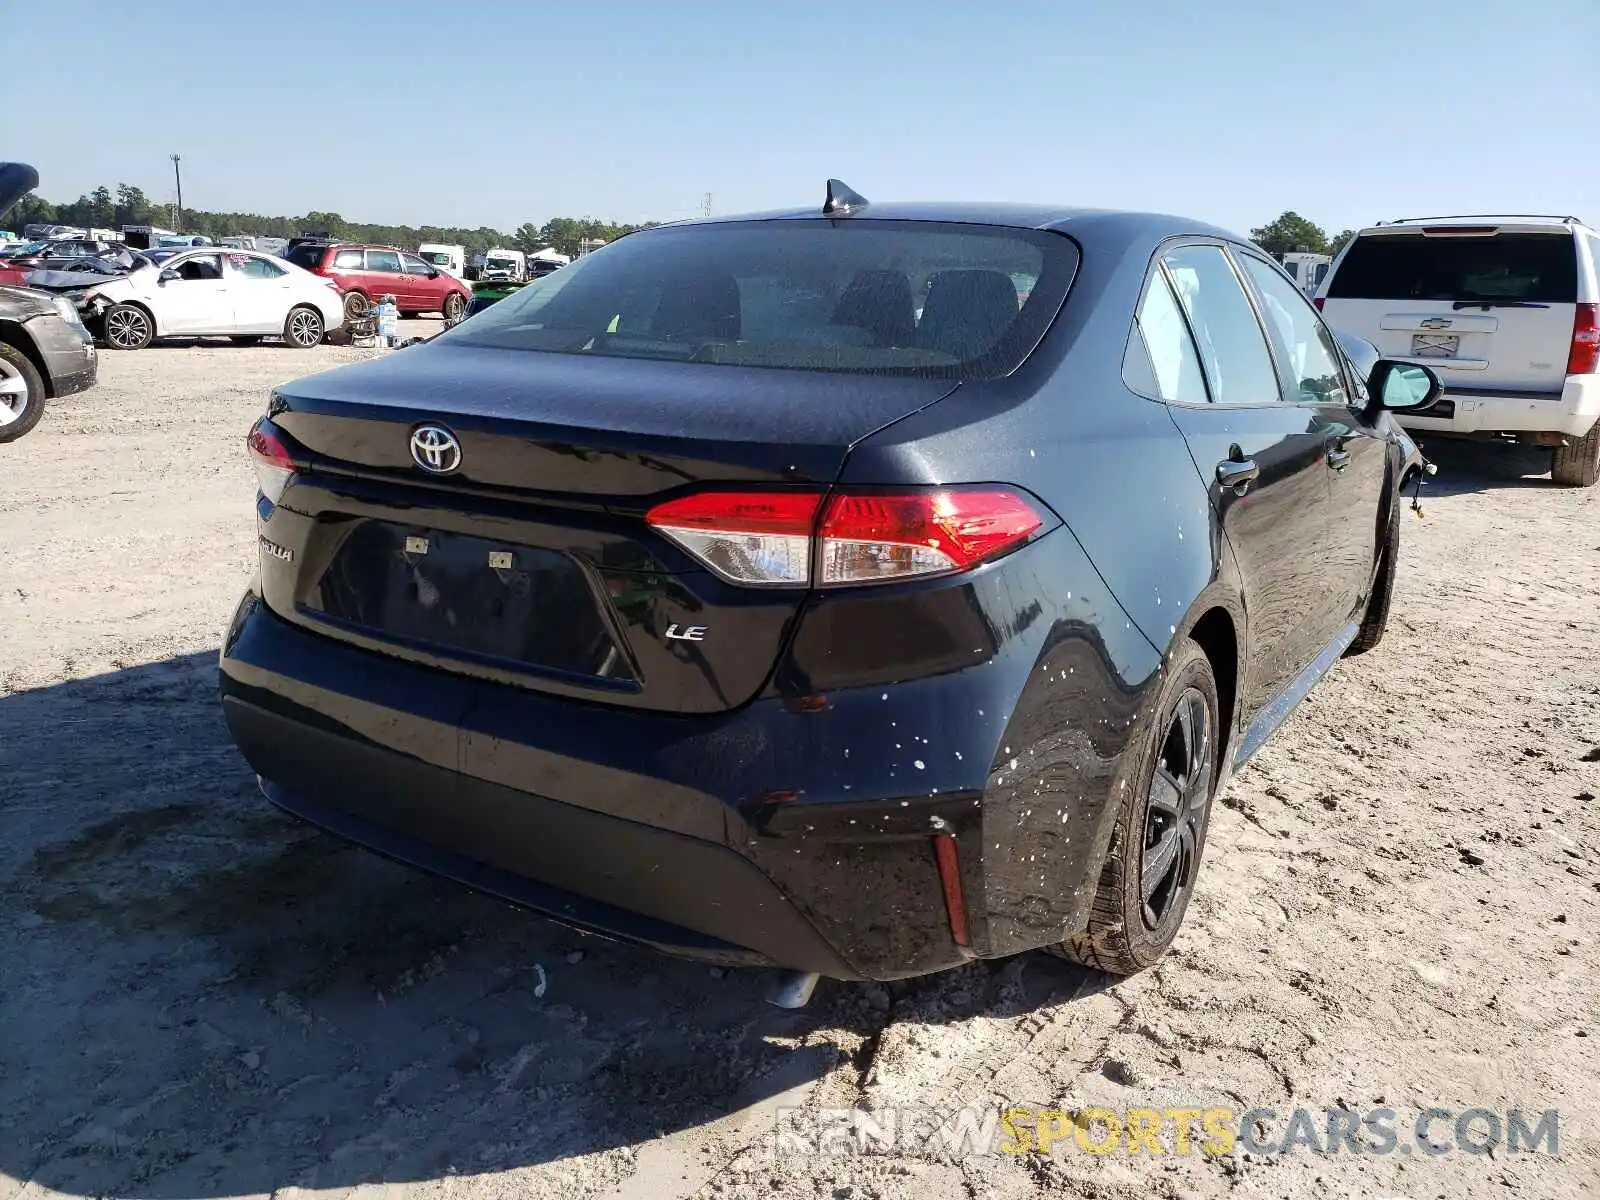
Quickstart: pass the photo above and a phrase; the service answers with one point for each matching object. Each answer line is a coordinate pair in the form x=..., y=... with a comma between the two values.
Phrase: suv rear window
x=1537, y=267
x=880, y=297
x=306, y=255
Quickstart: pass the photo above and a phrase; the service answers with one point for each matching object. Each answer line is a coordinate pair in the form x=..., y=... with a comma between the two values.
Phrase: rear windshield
x=306, y=255
x=882, y=297
x=1541, y=268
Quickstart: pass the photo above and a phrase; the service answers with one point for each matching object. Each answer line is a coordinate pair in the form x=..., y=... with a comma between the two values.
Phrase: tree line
x=107, y=208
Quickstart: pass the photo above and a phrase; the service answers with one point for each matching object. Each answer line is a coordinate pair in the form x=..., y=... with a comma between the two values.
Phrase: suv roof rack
x=1566, y=220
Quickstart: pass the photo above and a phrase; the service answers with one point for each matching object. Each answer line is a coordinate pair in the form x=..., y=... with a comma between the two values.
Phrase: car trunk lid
x=529, y=561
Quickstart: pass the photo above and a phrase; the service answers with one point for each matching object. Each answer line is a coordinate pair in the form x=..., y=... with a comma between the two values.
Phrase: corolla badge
x=435, y=449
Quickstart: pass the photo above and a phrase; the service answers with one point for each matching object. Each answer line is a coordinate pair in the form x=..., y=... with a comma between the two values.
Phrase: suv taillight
x=1318, y=302
x=1584, y=357
x=270, y=458
x=779, y=538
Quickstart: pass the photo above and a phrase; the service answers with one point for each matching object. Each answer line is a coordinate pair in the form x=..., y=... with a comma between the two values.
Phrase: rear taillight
x=1584, y=357
x=748, y=537
x=786, y=539
x=274, y=468
x=866, y=537
x=1318, y=303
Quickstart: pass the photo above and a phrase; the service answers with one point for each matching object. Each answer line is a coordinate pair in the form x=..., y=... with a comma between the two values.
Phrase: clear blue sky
x=1231, y=111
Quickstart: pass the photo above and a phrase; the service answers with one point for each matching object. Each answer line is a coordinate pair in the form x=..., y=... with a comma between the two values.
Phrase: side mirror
x=168, y=276
x=1402, y=386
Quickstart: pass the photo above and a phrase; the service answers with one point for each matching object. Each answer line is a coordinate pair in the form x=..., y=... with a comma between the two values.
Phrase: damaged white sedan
x=206, y=292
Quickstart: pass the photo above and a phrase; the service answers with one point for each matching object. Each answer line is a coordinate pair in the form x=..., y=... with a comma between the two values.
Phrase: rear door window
x=882, y=297
x=383, y=260
x=251, y=267
x=1540, y=268
x=1232, y=345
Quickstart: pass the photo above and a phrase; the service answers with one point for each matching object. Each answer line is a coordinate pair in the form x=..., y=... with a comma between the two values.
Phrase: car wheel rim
x=1175, y=809
x=452, y=309
x=125, y=329
x=303, y=330
x=13, y=394
x=355, y=305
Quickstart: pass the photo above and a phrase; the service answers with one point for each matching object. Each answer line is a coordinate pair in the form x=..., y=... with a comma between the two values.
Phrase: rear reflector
x=1584, y=357
x=955, y=901
x=773, y=538
x=274, y=468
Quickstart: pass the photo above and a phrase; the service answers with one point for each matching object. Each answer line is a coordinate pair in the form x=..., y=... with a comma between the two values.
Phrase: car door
x=385, y=276
x=1313, y=372
x=259, y=289
x=423, y=288
x=1263, y=457
x=349, y=268
x=192, y=296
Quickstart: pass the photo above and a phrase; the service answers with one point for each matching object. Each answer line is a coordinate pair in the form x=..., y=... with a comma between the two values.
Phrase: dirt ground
x=201, y=998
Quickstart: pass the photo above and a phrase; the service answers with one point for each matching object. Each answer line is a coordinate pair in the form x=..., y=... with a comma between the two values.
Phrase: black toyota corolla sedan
x=858, y=590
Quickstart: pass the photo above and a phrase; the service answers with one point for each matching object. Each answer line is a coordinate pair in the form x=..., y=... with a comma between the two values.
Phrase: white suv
x=1505, y=308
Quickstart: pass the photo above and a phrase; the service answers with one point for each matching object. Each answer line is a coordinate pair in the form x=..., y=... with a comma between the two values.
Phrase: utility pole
x=177, y=175
x=705, y=205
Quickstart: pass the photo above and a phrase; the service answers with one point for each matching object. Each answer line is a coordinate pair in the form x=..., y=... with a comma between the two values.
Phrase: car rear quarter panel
x=1112, y=464
x=1140, y=536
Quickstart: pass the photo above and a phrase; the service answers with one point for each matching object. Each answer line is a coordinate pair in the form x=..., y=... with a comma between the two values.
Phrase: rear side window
x=1537, y=267
x=1232, y=345
x=348, y=260
x=1161, y=333
x=881, y=297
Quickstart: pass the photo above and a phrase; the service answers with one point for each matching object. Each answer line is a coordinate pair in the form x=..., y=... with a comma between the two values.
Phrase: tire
x=251, y=340
x=128, y=327
x=1577, y=464
x=1376, y=619
x=454, y=307
x=1131, y=926
x=303, y=327
x=21, y=393
x=355, y=304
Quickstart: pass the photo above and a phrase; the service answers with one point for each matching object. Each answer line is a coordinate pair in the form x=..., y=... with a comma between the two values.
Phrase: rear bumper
x=777, y=833
x=1573, y=412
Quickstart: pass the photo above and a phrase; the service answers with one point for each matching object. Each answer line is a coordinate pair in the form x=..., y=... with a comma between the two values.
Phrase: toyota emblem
x=435, y=449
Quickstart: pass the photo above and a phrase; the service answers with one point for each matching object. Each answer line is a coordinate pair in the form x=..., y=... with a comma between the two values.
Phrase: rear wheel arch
x=13, y=334
x=1217, y=636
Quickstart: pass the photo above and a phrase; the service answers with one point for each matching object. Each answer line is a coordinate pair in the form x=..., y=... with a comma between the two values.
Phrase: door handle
x=1338, y=459
x=1237, y=473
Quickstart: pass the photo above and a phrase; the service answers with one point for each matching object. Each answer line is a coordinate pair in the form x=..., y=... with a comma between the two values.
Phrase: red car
x=366, y=274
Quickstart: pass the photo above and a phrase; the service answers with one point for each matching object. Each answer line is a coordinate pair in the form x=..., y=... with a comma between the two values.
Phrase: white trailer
x=1306, y=269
